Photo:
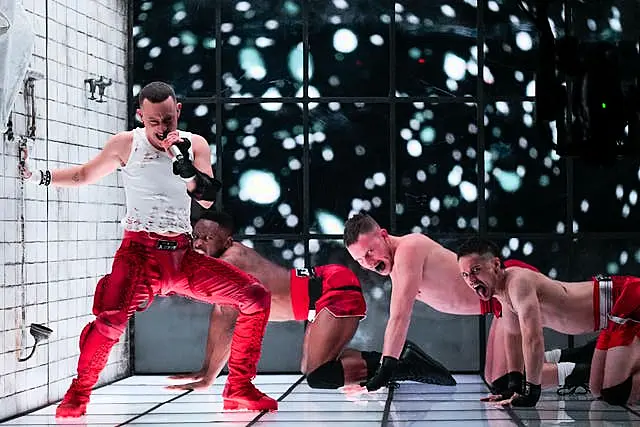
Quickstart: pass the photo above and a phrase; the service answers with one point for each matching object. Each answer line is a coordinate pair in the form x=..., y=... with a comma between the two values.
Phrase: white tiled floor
x=143, y=400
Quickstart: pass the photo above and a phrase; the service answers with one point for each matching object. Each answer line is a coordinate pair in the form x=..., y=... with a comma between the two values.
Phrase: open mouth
x=162, y=136
x=481, y=289
x=380, y=266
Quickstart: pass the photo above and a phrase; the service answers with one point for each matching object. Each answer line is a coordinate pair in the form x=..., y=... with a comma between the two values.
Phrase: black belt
x=315, y=286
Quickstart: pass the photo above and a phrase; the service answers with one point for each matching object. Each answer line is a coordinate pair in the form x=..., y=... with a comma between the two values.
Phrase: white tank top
x=157, y=200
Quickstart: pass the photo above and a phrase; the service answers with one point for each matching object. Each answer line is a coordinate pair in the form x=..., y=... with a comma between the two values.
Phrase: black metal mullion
x=306, y=199
x=217, y=100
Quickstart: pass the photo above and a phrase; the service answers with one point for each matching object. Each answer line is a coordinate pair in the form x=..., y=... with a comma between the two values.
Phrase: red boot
x=94, y=353
x=239, y=392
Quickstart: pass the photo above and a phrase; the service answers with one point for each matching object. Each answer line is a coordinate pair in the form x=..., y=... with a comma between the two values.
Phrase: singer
x=156, y=257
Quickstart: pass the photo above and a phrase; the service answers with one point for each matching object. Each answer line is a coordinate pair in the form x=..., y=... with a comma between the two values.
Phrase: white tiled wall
x=70, y=235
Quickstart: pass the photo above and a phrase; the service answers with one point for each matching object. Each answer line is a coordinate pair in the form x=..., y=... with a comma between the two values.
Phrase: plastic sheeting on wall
x=16, y=45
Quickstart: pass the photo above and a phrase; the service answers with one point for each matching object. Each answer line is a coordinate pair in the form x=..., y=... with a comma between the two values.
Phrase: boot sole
x=234, y=405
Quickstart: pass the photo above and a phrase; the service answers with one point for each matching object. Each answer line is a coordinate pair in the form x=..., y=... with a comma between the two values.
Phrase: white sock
x=564, y=370
x=552, y=356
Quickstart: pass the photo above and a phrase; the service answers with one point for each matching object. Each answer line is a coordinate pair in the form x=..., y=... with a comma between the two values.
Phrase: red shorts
x=616, y=304
x=333, y=287
x=493, y=305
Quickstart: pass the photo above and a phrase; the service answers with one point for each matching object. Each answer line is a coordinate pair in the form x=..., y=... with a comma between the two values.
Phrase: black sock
x=582, y=354
x=372, y=359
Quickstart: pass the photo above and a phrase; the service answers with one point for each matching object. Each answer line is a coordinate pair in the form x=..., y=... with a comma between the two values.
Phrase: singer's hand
x=172, y=138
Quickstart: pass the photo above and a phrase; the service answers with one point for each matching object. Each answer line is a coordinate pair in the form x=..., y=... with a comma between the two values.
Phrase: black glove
x=506, y=385
x=383, y=375
x=529, y=396
x=183, y=166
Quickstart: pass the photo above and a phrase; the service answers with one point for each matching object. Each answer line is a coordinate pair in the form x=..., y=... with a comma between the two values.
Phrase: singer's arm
x=202, y=162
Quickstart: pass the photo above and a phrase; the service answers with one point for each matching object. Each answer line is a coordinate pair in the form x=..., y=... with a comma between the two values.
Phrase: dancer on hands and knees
x=330, y=296
x=422, y=269
x=163, y=168
x=532, y=301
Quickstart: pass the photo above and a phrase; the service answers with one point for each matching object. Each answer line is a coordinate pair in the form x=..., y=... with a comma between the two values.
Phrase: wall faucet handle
x=92, y=87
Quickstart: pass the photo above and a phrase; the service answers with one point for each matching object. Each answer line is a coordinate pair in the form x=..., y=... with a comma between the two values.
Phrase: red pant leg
x=117, y=297
x=624, y=320
x=218, y=282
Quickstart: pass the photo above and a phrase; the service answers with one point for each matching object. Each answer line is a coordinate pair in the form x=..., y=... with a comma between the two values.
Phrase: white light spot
x=527, y=249
x=633, y=197
x=514, y=243
x=292, y=221
x=329, y=223
x=201, y=110
x=369, y=184
x=468, y=191
x=455, y=176
x=376, y=40
x=327, y=154
x=454, y=66
x=502, y=107
x=340, y=4
x=524, y=41
x=240, y=154
x=271, y=24
x=155, y=52
x=619, y=192
x=406, y=134
x=448, y=11
x=259, y=187
x=434, y=205
x=284, y=209
x=243, y=6
x=379, y=179
x=624, y=257
x=531, y=88
x=626, y=210
x=263, y=42
x=414, y=148
x=509, y=181
x=345, y=41
x=428, y=135
x=421, y=176
x=144, y=42
x=295, y=164
x=584, y=206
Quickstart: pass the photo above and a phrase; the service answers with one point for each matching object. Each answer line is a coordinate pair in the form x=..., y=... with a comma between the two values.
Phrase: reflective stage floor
x=143, y=400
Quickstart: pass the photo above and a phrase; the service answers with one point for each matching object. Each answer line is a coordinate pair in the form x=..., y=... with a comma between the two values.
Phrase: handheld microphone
x=176, y=152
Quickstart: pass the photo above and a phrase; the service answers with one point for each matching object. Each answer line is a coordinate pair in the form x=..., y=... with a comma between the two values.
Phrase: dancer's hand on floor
x=353, y=390
x=202, y=384
x=199, y=381
x=193, y=376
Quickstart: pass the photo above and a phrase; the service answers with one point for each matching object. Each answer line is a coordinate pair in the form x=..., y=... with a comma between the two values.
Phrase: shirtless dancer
x=155, y=256
x=533, y=301
x=339, y=306
x=424, y=270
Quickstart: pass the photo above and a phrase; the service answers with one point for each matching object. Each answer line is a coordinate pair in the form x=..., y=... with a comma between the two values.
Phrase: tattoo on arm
x=76, y=177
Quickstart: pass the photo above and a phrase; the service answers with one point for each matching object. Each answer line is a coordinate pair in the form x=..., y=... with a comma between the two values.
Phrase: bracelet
x=35, y=178
x=46, y=178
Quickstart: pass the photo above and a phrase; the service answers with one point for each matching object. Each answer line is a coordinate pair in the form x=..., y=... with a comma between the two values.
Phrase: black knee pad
x=618, y=394
x=327, y=376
